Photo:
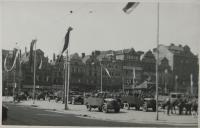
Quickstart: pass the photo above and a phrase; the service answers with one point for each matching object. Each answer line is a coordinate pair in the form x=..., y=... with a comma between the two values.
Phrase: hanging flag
x=106, y=71
x=60, y=58
x=24, y=58
x=134, y=73
x=16, y=56
x=67, y=39
x=130, y=6
x=40, y=66
x=31, y=52
x=191, y=82
x=47, y=78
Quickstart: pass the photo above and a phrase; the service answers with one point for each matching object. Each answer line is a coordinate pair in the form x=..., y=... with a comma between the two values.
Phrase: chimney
x=172, y=44
x=92, y=53
x=26, y=50
x=83, y=55
x=54, y=57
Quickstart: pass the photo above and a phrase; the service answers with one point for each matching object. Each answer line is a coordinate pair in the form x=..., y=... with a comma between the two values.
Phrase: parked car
x=77, y=99
x=94, y=102
x=110, y=104
x=132, y=101
x=175, y=96
x=41, y=96
x=149, y=103
x=4, y=112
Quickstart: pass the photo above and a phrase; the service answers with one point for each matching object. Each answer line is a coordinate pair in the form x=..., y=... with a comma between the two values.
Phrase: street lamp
x=166, y=81
x=157, y=57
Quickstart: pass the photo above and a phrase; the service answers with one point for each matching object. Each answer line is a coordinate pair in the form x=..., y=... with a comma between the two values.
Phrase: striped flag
x=40, y=66
x=106, y=71
x=130, y=6
x=67, y=39
x=31, y=52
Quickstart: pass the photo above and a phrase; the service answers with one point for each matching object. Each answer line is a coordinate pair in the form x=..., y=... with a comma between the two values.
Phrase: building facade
x=184, y=67
x=127, y=69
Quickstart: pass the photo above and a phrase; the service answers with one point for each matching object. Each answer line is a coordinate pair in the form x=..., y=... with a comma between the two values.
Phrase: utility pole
x=101, y=77
x=157, y=57
x=14, y=85
x=34, y=73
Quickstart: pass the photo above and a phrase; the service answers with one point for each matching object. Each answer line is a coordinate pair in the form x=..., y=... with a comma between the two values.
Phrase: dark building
x=184, y=65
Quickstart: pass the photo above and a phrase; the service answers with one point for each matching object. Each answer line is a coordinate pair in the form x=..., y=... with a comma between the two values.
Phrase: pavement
x=129, y=116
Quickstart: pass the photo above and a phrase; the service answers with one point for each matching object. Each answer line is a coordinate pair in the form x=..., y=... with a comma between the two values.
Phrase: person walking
x=168, y=104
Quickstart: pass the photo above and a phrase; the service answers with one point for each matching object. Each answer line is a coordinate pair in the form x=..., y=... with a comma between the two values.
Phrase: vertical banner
x=191, y=82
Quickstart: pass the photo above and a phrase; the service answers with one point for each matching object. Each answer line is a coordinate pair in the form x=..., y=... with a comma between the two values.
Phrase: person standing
x=168, y=104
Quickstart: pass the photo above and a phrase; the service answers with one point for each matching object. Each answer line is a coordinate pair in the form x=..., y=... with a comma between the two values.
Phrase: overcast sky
x=98, y=26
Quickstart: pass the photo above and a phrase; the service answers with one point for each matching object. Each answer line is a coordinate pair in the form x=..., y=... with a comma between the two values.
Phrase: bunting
x=15, y=59
x=40, y=66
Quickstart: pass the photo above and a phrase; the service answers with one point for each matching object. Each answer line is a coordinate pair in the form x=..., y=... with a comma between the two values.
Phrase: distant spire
x=54, y=57
x=26, y=50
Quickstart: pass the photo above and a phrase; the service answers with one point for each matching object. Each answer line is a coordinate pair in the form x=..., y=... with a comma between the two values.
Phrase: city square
x=100, y=64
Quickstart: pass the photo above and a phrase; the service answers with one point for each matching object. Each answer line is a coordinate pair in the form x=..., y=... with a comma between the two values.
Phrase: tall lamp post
x=157, y=57
x=101, y=78
x=165, y=81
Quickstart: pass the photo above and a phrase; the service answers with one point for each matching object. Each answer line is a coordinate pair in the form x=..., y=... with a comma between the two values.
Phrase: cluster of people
x=185, y=105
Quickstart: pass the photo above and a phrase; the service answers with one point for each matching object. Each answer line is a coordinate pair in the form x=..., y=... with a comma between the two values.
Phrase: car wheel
x=154, y=109
x=126, y=106
x=117, y=110
x=89, y=108
x=104, y=108
x=145, y=108
x=137, y=107
x=100, y=108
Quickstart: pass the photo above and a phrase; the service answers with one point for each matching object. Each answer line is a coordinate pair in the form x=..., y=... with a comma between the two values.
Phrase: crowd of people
x=185, y=105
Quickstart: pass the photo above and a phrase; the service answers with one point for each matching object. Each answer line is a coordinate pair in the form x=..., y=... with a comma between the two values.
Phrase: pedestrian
x=181, y=105
x=195, y=108
x=168, y=104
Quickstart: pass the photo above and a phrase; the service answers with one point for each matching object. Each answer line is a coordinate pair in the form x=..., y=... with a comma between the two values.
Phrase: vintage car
x=149, y=103
x=110, y=104
x=175, y=96
x=4, y=112
x=78, y=99
x=132, y=101
x=94, y=102
x=41, y=96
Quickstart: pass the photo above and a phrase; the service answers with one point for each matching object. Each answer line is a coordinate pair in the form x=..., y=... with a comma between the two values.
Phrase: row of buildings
x=178, y=70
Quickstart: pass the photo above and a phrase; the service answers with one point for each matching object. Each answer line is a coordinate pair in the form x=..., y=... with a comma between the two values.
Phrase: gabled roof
x=84, y=59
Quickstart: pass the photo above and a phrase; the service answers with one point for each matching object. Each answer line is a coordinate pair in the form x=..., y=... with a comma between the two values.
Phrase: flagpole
x=20, y=72
x=157, y=57
x=101, y=77
x=65, y=65
x=191, y=80
x=176, y=83
x=14, y=83
x=67, y=82
x=123, y=84
x=34, y=75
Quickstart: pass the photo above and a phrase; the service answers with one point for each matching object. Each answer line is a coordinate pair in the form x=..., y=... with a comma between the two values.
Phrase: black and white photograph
x=99, y=63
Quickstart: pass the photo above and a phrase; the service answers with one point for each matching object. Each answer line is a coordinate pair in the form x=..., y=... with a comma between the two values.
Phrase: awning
x=145, y=85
